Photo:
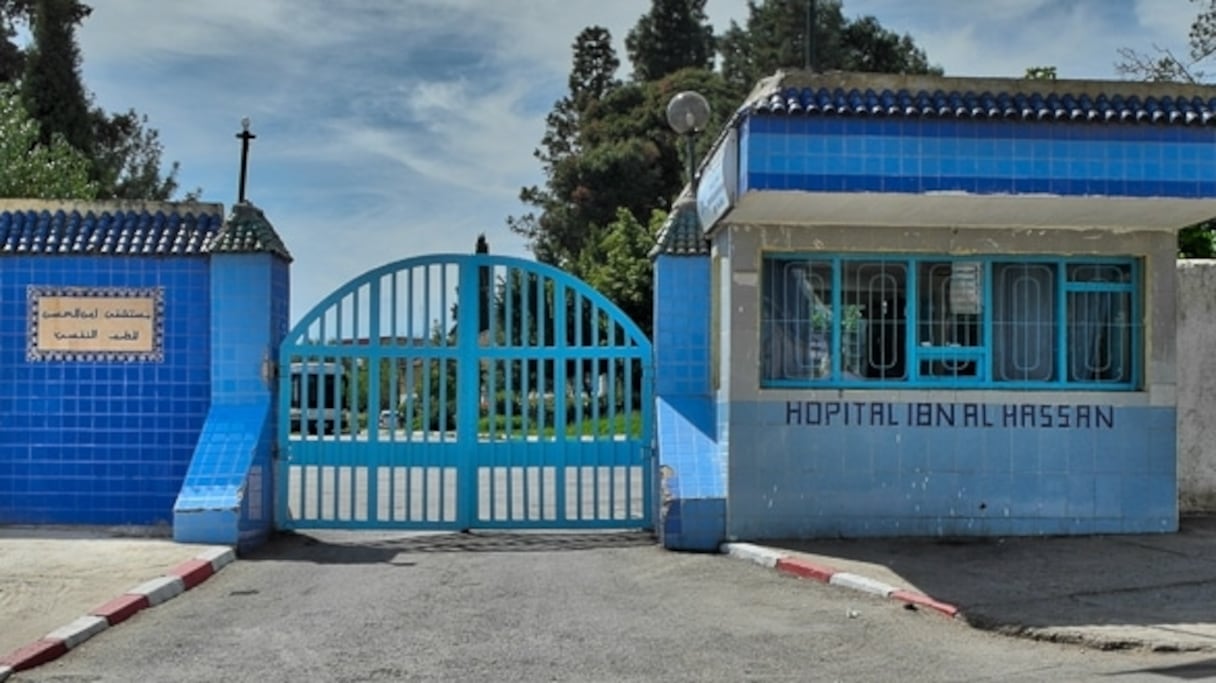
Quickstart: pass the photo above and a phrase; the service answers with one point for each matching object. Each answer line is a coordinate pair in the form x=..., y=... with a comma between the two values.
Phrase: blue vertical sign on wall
x=718, y=186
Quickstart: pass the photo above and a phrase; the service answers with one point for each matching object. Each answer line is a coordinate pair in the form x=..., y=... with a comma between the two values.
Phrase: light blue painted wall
x=891, y=468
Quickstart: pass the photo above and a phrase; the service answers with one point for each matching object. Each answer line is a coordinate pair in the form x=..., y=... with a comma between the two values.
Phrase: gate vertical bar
x=372, y=501
x=561, y=342
x=468, y=380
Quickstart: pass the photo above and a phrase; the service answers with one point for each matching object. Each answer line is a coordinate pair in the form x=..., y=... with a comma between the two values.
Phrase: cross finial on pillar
x=244, y=136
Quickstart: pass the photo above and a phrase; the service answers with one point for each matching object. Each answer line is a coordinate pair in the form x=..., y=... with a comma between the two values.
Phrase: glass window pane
x=796, y=325
x=1023, y=322
x=1099, y=272
x=1099, y=337
x=874, y=320
x=949, y=299
x=949, y=303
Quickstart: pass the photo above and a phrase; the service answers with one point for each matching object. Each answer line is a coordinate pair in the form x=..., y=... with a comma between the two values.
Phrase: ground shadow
x=57, y=532
x=328, y=547
x=1020, y=585
x=1203, y=670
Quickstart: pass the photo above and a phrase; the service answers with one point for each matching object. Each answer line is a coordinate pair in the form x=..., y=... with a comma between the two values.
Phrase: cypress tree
x=674, y=35
x=51, y=88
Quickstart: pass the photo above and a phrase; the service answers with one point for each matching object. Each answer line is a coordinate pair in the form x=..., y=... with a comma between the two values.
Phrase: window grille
x=976, y=322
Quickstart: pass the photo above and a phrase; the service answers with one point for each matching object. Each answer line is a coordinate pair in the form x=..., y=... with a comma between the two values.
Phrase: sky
x=393, y=128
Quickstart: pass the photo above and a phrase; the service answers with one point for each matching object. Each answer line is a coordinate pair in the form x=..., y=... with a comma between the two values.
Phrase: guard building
x=929, y=306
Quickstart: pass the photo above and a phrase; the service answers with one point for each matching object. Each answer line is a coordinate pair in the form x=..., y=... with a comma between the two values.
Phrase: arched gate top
x=459, y=262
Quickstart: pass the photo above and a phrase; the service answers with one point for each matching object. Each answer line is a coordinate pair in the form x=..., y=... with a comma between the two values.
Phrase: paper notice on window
x=966, y=290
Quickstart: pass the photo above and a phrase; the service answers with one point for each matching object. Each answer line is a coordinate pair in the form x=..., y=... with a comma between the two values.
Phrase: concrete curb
x=788, y=563
x=176, y=581
x=754, y=553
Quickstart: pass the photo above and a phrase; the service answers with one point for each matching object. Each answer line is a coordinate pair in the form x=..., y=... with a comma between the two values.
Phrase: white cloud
x=1167, y=22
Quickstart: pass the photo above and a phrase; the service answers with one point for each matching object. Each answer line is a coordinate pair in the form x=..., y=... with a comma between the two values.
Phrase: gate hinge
x=270, y=371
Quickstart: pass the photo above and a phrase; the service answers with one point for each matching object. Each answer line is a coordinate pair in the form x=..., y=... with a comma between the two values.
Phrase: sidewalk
x=60, y=586
x=1111, y=592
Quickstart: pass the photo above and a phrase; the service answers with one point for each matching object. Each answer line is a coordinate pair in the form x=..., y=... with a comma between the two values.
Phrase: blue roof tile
x=881, y=95
x=681, y=234
x=43, y=227
x=248, y=231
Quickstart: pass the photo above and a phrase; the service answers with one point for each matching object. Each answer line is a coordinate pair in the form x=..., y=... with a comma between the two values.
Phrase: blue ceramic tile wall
x=101, y=442
x=794, y=479
x=836, y=154
x=257, y=509
x=681, y=325
x=241, y=292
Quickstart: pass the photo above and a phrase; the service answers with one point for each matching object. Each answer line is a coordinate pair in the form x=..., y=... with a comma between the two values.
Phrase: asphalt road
x=554, y=607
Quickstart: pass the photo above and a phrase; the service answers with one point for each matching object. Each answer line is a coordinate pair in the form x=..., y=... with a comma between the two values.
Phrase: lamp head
x=688, y=112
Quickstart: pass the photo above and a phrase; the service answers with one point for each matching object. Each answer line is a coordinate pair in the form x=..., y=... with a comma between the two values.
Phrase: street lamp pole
x=244, y=136
x=690, y=146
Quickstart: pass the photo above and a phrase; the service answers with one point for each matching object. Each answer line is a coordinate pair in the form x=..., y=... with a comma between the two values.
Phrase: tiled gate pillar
x=227, y=497
x=692, y=469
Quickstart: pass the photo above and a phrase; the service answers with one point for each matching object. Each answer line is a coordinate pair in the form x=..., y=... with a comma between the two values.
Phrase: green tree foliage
x=124, y=152
x=35, y=170
x=14, y=13
x=1041, y=73
x=618, y=264
x=51, y=87
x=776, y=37
x=592, y=76
x=1196, y=241
x=127, y=158
x=627, y=158
x=12, y=58
x=673, y=35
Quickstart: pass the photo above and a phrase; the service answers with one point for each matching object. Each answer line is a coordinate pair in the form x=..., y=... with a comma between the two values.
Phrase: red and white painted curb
x=55, y=644
x=789, y=563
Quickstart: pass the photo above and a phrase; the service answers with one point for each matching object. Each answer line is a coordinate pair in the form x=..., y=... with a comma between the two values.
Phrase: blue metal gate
x=465, y=392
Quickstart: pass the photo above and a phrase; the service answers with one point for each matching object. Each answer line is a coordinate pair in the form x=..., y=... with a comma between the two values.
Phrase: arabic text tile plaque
x=96, y=324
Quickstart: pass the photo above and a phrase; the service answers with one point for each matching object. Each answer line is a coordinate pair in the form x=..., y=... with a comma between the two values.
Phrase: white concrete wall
x=1196, y=386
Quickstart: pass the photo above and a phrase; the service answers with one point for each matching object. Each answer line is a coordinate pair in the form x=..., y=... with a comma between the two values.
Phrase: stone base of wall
x=697, y=524
x=1196, y=359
